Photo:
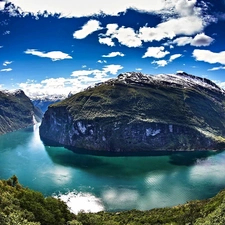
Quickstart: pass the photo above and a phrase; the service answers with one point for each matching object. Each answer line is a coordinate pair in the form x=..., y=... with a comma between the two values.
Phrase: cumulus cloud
x=70, y=8
x=149, y=34
x=113, y=54
x=107, y=41
x=127, y=36
x=60, y=87
x=167, y=29
x=175, y=56
x=198, y=41
x=209, y=57
x=6, y=63
x=2, y=5
x=105, y=71
x=54, y=55
x=156, y=52
x=88, y=28
x=160, y=63
x=6, y=70
x=217, y=68
x=185, y=25
x=201, y=40
x=181, y=41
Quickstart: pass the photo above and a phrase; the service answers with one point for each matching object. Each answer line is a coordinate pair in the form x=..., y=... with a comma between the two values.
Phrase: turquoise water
x=94, y=183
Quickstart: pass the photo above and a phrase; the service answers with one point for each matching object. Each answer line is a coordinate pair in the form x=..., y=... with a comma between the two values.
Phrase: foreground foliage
x=22, y=206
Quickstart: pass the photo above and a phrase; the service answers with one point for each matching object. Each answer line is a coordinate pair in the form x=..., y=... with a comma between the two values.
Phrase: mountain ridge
x=17, y=111
x=137, y=112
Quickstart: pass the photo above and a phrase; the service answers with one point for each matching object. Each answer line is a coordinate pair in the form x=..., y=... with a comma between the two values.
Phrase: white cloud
x=149, y=34
x=107, y=41
x=201, y=40
x=217, y=68
x=181, y=41
x=6, y=70
x=60, y=87
x=127, y=36
x=186, y=7
x=111, y=28
x=160, y=63
x=209, y=57
x=102, y=61
x=171, y=28
x=6, y=63
x=1, y=46
x=156, y=52
x=113, y=54
x=82, y=73
x=54, y=55
x=2, y=5
x=105, y=71
x=88, y=28
x=138, y=69
x=113, y=69
x=175, y=56
x=189, y=25
x=84, y=66
x=70, y=8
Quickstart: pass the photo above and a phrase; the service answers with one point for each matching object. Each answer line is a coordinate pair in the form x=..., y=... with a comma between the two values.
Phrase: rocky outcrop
x=17, y=111
x=140, y=113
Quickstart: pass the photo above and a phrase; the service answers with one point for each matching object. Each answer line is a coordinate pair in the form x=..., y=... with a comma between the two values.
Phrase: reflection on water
x=85, y=202
x=110, y=183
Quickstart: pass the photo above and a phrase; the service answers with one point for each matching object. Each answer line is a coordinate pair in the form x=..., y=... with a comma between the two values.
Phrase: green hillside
x=22, y=206
x=139, y=115
x=16, y=111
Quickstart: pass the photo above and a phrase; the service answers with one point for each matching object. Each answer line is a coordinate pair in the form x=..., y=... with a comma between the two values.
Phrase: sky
x=51, y=48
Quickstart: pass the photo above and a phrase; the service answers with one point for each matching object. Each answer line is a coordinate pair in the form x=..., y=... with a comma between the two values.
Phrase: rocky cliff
x=16, y=111
x=140, y=113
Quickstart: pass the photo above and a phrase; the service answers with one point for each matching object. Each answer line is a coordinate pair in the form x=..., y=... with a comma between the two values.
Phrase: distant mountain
x=17, y=111
x=44, y=103
x=138, y=113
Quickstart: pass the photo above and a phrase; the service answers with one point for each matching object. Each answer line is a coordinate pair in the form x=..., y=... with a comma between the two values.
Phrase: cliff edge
x=140, y=113
x=16, y=111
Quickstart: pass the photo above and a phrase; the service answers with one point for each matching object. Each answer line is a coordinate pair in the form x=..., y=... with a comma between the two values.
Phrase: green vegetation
x=22, y=206
x=16, y=111
x=114, y=117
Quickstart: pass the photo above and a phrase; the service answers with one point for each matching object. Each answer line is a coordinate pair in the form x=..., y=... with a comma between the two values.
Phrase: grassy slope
x=202, y=110
x=23, y=206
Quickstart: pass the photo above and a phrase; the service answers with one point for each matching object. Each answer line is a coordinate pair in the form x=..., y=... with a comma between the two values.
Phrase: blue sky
x=52, y=47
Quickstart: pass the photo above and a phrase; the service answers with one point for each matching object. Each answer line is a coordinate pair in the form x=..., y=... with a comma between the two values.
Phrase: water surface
x=109, y=183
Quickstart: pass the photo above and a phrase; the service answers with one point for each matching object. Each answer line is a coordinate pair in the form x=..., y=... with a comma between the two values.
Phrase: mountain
x=17, y=111
x=43, y=103
x=137, y=113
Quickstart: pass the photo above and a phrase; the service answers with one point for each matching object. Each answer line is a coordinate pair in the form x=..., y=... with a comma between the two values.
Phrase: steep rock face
x=138, y=113
x=16, y=111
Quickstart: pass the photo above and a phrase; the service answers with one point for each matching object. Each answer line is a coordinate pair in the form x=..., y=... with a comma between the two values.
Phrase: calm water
x=111, y=183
